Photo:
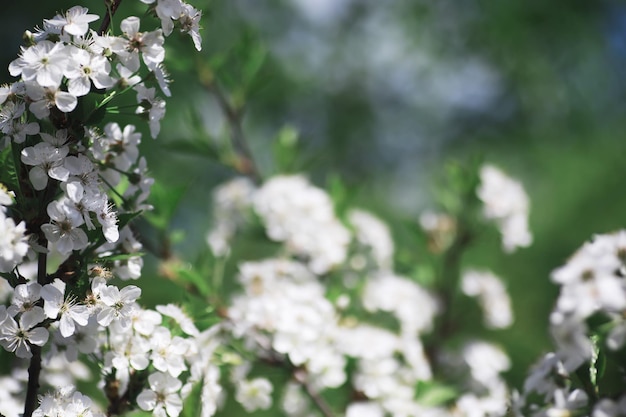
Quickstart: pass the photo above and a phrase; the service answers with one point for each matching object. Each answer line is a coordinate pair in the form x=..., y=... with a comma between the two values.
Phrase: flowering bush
x=326, y=318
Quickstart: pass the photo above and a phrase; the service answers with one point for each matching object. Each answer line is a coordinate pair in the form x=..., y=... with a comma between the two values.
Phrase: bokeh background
x=383, y=93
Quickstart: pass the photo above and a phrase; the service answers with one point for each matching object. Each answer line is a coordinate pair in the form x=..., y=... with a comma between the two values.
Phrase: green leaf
x=165, y=201
x=200, y=281
x=254, y=63
x=430, y=393
x=125, y=218
x=8, y=170
x=285, y=149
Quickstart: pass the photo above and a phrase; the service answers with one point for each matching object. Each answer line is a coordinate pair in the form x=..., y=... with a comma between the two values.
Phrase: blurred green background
x=383, y=93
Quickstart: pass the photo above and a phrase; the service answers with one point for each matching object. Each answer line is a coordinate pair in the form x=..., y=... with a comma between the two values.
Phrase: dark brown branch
x=245, y=164
x=33, y=381
x=112, y=6
x=34, y=369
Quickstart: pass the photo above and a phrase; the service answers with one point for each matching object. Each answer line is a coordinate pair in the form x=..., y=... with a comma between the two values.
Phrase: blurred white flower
x=255, y=394
x=302, y=216
x=506, y=203
x=492, y=295
x=370, y=231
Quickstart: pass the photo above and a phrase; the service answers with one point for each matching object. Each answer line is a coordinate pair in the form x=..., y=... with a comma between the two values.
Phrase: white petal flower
x=43, y=63
x=25, y=298
x=75, y=21
x=163, y=397
x=117, y=304
x=17, y=338
x=47, y=161
x=64, y=228
x=190, y=23
x=55, y=303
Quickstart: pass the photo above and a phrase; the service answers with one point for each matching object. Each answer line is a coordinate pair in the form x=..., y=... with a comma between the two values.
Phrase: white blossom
x=506, y=203
x=75, y=21
x=47, y=161
x=254, y=394
x=190, y=23
x=117, y=304
x=55, y=304
x=17, y=336
x=64, y=228
x=43, y=63
x=302, y=216
x=163, y=397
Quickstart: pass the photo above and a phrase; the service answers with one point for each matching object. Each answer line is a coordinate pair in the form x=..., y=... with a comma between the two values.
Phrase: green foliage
x=165, y=201
x=431, y=393
x=8, y=174
x=286, y=150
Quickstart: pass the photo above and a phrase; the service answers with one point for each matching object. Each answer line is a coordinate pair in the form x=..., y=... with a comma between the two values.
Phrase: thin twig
x=322, y=405
x=234, y=117
x=111, y=9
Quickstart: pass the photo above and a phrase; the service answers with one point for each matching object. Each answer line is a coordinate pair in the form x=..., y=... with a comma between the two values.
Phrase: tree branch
x=322, y=405
x=33, y=381
x=448, y=283
x=245, y=164
x=112, y=6
x=34, y=369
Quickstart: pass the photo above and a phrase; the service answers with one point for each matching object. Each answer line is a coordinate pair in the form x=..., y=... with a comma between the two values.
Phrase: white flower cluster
x=73, y=163
x=303, y=217
x=506, y=203
x=286, y=300
x=292, y=210
x=485, y=362
x=66, y=61
x=414, y=307
x=284, y=312
x=592, y=284
x=68, y=402
x=550, y=379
